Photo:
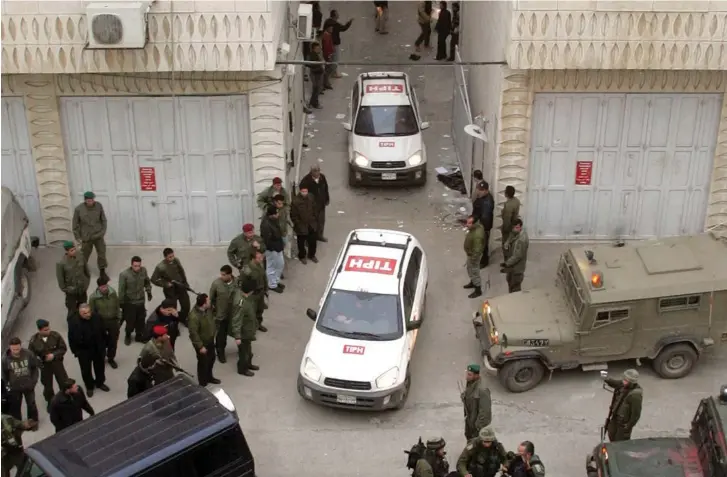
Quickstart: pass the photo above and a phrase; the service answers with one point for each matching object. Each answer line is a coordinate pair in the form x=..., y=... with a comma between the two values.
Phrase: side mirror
x=34, y=242
x=347, y=126
x=413, y=325
x=311, y=314
x=424, y=125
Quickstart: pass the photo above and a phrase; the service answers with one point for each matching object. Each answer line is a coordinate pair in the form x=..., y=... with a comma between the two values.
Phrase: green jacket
x=265, y=198
x=477, y=407
x=257, y=272
x=89, y=223
x=238, y=253
x=150, y=357
x=201, y=327
x=476, y=455
x=426, y=466
x=626, y=404
x=165, y=272
x=73, y=275
x=284, y=219
x=510, y=212
x=53, y=344
x=516, y=251
x=12, y=430
x=474, y=242
x=132, y=286
x=107, y=305
x=221, y=295
x=244, y=322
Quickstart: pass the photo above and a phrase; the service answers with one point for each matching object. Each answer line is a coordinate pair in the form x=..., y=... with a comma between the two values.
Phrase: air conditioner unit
x=305, y=22
x=117, y=24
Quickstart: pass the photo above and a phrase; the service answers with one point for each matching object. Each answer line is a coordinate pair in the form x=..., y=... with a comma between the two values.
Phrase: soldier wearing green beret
x=73, y=277
x=89, y=228
x=477, y=403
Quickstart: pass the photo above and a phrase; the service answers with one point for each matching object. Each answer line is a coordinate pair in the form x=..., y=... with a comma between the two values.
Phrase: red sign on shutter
x=584, y=171
x=148, y=179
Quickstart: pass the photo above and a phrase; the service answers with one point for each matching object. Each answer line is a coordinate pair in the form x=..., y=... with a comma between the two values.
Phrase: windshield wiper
x=332, y=331
x=362, y=334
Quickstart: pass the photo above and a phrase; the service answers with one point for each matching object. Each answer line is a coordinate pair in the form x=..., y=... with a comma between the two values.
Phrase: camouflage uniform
x=13, y=455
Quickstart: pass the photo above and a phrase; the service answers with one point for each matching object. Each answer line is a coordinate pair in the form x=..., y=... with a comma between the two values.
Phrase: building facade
x=609, y=118
x=175, y=138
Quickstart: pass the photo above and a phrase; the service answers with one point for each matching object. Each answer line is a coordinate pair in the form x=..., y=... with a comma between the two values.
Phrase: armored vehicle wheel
x=521, y=375
x=675, y=361
x=22, y=286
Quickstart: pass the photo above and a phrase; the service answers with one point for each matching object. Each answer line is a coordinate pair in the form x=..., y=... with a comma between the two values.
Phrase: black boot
x=102, y=273
x=468, y=286
x=127, y=340
x=476, y=293
x=221, y=357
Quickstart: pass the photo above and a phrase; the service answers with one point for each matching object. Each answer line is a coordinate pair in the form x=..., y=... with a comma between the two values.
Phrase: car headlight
x=360, y=160
x=387, y=379
x=311, y=370
x=415, y=159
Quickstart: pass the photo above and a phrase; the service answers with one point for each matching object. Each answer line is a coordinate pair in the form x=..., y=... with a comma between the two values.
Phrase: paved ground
x=291, y=437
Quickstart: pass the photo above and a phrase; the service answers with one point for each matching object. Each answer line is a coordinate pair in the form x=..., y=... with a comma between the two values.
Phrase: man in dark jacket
x=20, y=369
x=66, y=407
x=274, y=246
x=303, y=215
x=483, y=209
x=202, y=336
x=50, y=349
x=169, y=274
x=317, y=186
x=526, y=463
x=317, y=72
x=382, y=17
x=443, y=29
x=337, y=28
x=165, y=315
x=454, y=41
x=87, y=340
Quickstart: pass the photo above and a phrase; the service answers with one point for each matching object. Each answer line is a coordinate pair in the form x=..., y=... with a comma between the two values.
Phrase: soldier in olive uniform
x=105, y=303
x=222, y=294
x=266, y=198
x=516, y=256
x=244, y=326
x=133, y=282
x=280, y=203
x=157, y=357
x=73, y=277
x=477, y=403
x=202, y=335
x=13, y=455
x=483, y=456
x=240, y=249
x=50, y=348
x=255, y=270
x=169, y=274
x=474, y=246
x=626, y=403
x=433, y=463
x=303, y=213
x=510, y=212
x=89, y=228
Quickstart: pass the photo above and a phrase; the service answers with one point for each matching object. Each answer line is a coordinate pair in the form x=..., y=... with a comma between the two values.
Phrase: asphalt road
x=292, y=437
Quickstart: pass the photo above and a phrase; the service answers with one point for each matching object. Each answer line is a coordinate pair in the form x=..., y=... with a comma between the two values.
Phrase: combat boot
x=469, y=286
x=476, y=293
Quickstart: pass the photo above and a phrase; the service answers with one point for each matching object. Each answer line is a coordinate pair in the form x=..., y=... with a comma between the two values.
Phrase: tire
x=675, y=361
x=23, y=288
x=352, y=179
x=521, y=375
x=407, y=388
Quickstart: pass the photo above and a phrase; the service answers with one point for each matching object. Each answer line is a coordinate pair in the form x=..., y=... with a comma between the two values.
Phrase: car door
x=352, y=110
x=608, y=332
x=412, y=295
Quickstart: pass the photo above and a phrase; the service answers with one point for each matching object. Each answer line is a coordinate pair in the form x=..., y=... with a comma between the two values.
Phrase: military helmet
x=631, y=375
x=487, y=435
x=435, y=443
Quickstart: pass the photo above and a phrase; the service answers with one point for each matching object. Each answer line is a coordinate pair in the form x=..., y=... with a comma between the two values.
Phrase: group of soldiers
x=479, y=224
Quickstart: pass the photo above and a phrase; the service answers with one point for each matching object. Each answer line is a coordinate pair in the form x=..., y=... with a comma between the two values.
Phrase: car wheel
x=521, y=375
x=675, y=361
x=352, y=179
x=404, y=398
x=22, y=286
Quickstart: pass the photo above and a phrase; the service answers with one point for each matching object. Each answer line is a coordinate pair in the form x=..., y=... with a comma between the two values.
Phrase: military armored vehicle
x=661, y=300
x=702, y=454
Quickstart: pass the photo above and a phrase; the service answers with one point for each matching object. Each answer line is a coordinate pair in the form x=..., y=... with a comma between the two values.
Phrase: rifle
x=175, y=367
x=184, y=286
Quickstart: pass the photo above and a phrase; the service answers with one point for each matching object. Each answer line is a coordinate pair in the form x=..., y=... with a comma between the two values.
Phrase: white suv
x=385, y=144
x=358, y=353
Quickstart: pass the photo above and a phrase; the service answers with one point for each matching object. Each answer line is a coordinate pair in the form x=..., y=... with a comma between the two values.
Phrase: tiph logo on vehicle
x=385, y=88
x=387, y=144
x=353, y=349
x=370, y=265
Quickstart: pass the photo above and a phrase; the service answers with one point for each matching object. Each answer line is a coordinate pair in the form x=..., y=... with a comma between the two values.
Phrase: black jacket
x=157, y=318
x=444, y=24
x=517, y=468
x=272, y=235
x=483, y=209
x=318, y=190
x=67, y=409
x=381, y=4
x=317, y=15
x=337, y=29
x=86, y=336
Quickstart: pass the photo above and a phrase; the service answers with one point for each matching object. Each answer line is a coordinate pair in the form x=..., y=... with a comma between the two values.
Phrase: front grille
x=343, y=384
x=360, y=402
x=388, y=165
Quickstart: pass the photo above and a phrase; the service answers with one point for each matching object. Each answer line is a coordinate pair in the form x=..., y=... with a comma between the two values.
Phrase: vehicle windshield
x=383, y=121
x=361, y=315
x=567, y=279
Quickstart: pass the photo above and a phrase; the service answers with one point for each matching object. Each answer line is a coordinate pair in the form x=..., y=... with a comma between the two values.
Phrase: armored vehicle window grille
x=680, y=303
x=606, y=317
x=570, y=286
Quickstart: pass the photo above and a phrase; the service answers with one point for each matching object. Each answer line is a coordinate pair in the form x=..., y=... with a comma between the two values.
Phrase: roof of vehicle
x=386, y=88
x=136, y=433
x=655, y=268
x=662, y=456
x=372, y=261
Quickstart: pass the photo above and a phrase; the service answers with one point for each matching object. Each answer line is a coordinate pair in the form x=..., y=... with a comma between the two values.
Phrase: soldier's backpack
x=415, y=453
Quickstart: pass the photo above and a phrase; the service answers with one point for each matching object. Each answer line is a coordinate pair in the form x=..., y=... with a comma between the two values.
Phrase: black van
x=175, y=429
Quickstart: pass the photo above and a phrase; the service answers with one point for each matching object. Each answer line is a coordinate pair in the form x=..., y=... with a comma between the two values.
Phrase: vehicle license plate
x=388, y=176
x=345, y=399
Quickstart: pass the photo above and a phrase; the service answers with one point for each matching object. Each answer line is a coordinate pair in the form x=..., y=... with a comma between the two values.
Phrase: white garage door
x=18, y=170
x=122, y=149
x=620, y=165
